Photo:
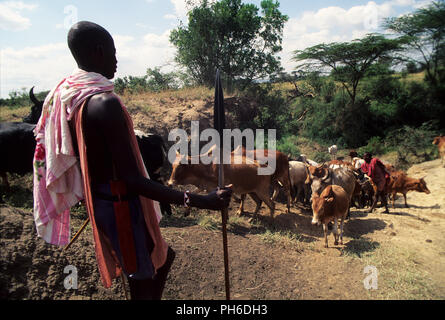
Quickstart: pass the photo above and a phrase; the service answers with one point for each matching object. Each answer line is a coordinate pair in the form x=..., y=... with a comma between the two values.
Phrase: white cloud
x=44, y=66
x=136, y=55
x=335, y=24
x=180, y=8
x=170, y=16
x=41, y=66
x=11, y=17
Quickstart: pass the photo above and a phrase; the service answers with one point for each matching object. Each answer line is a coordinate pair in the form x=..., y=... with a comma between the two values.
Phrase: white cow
x=304, y=159
x=298, y=173
x=357, y=162
x=333, y=151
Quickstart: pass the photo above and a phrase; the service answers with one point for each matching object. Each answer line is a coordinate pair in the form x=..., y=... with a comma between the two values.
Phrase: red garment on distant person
x=375, y=171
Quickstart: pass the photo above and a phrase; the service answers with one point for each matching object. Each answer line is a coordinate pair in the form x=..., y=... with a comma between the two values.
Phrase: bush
x=414, y=145
x=321, y=157
x=154, y=80
x=375, y=146
x=21, y=98
x=288, y=145
x=272, y=110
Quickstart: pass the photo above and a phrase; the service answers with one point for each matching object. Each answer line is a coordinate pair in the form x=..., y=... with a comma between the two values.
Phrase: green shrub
x=375, y=146
x=321, y=157
x=414, y=144
x=288, y=145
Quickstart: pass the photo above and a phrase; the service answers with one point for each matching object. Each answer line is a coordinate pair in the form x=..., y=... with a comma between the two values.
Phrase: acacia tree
x=233, y=37
x=425, y=29
x=349, y=62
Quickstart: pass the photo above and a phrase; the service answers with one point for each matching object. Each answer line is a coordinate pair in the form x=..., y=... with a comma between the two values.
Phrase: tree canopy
x=349, y=62
x=233, y=37
x=425, y=29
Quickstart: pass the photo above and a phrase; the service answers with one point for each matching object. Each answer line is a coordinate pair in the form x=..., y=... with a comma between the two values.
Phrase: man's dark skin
x=108, y=142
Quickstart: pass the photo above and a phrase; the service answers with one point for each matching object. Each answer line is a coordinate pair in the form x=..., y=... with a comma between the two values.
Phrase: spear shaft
x=219, y=119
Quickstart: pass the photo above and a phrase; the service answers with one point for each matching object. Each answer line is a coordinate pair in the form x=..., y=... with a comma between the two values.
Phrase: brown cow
x=281, y=174
x=440, y=142
x=320, y=177
x=332, y=204
x=401, y=183
x=244, y=178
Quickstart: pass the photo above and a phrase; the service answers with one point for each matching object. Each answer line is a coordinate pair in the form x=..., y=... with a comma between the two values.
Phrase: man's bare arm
x=105, y=114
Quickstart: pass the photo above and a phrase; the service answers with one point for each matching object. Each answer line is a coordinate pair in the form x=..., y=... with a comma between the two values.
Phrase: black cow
x=153, y=153
x=18, y=144
x=36, y=109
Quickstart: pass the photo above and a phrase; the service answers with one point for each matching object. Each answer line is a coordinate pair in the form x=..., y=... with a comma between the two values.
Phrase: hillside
x=283, y=258
x=280, y=259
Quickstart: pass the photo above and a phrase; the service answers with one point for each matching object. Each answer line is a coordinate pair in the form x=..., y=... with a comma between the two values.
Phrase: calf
x=440, y=142
x=320, y=177
x=368, y=191
x=332, y=204
x=243, y=177
x=401, y=183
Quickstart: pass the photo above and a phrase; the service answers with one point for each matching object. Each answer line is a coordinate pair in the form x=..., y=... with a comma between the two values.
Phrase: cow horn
x=33, y=97
x=326, y=176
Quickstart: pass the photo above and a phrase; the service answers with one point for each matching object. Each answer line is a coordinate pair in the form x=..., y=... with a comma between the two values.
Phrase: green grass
x=281, y=238
x=208, y=222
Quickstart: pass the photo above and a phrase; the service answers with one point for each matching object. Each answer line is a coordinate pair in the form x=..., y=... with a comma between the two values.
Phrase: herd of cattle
x=330, y=189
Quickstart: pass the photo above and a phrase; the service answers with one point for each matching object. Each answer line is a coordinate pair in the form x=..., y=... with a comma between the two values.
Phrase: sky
x=34, y=52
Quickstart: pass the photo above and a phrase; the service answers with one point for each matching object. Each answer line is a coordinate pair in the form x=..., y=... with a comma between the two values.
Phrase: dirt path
x=280, y=259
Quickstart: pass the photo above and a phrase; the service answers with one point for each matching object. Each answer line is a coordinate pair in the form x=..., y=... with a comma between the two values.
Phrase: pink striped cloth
x=57, y=176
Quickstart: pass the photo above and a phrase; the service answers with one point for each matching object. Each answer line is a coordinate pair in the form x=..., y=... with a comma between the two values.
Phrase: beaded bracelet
x=187, y=199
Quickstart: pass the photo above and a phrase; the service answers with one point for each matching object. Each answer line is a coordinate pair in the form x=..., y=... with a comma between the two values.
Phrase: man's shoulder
x=104, y=99
x=104, y=104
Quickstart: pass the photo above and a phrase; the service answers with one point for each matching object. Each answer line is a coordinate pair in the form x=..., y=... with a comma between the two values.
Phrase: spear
x=77, y=234
x=219, y=124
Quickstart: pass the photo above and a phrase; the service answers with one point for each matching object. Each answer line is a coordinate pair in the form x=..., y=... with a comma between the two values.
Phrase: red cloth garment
x=375, y=171
x=108, y=264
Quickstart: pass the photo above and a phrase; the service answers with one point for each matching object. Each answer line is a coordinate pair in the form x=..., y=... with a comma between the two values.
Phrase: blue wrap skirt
x=106, y=222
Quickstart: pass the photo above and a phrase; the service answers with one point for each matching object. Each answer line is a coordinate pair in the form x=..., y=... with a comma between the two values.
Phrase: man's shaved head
x=86, y=40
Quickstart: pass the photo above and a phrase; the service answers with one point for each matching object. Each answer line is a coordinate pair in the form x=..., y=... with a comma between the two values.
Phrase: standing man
x=376, y=170
x=84, y=121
